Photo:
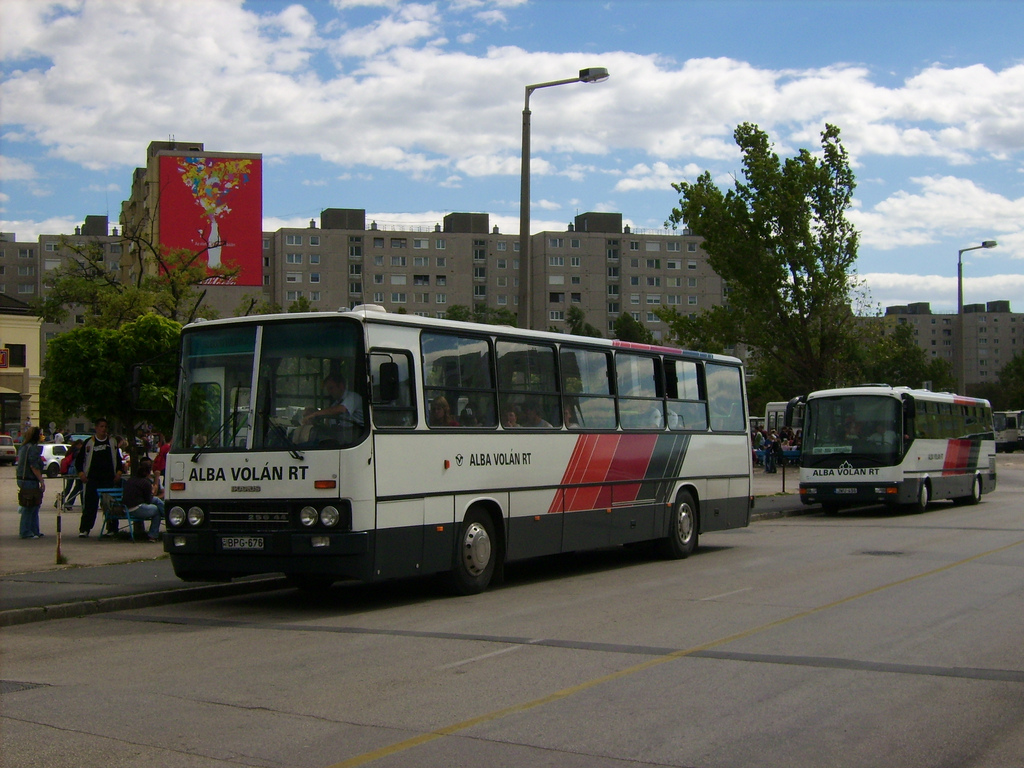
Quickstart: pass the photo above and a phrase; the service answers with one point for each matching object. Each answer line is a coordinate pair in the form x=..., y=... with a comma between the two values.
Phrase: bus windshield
x=838, y=428
x=283, y=386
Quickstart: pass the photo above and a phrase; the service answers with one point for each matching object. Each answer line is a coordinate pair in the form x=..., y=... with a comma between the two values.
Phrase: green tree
x=781, y=241
x=576, y=319
x=255, y=304
x=628, y=329
x=1011, y=385
x=480, y=314
x=166, y=282
x=89, y=371
x=889, y=355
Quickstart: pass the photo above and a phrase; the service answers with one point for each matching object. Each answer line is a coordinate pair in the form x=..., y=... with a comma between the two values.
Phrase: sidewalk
x=103, y=575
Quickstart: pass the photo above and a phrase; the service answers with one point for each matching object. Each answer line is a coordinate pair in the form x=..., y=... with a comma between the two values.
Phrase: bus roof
x=885, y=390
x=371, y=313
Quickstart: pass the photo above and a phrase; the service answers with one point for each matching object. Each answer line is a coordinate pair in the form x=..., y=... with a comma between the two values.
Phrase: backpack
x=67, y=462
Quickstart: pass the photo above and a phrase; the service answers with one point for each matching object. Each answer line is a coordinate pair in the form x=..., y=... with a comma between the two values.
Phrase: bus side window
x=725, y=396
x=586, y=384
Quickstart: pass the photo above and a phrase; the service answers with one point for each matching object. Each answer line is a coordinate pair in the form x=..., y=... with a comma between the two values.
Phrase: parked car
x=53, y=455
x=8, y=450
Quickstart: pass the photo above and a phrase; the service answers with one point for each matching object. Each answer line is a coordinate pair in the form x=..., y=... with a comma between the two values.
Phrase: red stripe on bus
x=598, y=460
x=958, y=453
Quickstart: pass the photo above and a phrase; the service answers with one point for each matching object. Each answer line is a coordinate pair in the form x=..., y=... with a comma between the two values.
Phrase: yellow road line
x=424, y=738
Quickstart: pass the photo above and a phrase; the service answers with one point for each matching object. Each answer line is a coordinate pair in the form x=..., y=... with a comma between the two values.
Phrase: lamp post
x=961, y=355
x=589, y=75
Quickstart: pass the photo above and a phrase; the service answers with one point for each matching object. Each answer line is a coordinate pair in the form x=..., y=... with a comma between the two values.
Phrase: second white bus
x=897, y=446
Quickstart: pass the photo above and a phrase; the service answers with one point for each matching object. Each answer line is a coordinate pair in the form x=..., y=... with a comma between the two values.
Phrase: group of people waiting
x=770, y=446
x=89, y=466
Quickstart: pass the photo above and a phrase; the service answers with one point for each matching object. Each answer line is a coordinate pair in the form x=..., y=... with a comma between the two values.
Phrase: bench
x=114, y=512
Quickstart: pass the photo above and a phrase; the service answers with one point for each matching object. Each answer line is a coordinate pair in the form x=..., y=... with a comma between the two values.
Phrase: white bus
x=897, y=446
x=367, y=445
x=1009, y=430
x=784, y=413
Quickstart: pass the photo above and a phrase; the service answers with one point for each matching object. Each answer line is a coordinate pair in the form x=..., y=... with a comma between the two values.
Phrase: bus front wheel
x=923, y=497
x=476, y=556
x=681, y=540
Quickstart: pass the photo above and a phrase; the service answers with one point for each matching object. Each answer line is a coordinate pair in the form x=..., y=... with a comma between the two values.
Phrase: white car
x=53, y=455
x=8, y=450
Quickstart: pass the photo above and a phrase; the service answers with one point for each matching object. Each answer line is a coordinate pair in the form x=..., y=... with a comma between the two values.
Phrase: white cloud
x=13, y=169
x=945, y=206
x=892, y=289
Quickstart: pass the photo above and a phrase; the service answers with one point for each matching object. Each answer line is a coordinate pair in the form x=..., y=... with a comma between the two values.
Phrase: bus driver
x=345, y=405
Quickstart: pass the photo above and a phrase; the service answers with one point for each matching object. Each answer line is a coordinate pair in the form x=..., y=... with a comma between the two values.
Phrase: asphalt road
x=867, y=639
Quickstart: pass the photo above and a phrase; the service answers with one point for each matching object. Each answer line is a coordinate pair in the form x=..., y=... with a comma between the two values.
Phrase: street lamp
x=589, y=75
x=961, y=368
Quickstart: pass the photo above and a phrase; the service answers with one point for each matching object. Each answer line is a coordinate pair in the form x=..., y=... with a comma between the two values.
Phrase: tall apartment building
x=993, y=335
x=596, y=264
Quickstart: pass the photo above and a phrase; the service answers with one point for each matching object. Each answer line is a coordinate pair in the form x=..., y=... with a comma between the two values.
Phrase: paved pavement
x=100, y=575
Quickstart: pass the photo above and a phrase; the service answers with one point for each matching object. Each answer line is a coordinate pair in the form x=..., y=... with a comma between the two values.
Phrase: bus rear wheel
x=681, y=540
x=477, y=554
x=975, y=495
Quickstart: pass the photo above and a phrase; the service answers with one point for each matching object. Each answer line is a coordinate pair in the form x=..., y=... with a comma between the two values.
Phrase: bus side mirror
x=388, y=382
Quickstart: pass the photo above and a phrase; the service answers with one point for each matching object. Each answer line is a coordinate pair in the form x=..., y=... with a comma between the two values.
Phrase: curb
x=15, y=616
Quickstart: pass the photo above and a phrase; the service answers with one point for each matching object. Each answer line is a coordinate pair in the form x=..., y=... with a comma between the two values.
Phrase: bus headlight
x=308, y=516
x=176, y=516
x=196, y=516
x=330, y=516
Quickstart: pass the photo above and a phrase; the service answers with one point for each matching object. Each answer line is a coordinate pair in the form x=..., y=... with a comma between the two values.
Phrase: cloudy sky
x=413, y=110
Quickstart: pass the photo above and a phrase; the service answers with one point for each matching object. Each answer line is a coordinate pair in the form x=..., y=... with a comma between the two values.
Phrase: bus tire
x=681, y=541
x=923, y=497
x=975, y=495
x=476, y=556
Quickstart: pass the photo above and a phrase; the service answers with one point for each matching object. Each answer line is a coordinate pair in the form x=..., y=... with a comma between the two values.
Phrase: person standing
x=30, y=484
x=99, y=466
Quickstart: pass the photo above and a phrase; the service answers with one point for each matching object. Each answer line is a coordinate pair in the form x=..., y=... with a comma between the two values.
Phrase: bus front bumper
x=856, y=494
x=211, y=556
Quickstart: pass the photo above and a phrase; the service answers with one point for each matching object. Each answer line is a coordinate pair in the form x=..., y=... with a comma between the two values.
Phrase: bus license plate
x=241, y=542
x=846, y=490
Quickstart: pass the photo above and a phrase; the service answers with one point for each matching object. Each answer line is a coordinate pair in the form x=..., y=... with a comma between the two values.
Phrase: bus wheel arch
x=924, y=496
x=975, y=495
x=680, y=540
x=479, y=550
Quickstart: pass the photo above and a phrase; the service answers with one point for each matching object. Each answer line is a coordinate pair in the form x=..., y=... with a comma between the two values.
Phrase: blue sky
x=413, y=110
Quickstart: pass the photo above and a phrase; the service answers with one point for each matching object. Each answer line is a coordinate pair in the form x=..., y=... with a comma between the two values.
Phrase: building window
x=613, y=307
x=292, y=295
x=634, y=245
x=556, y=298
x=442, y=261
x=16, y=354
x=378, y=242
x=556, y=314
x=314, y=277
x=691, y=264
x=398, y=261
x=314, y=295
x=398, y=298
x=378, y=279
x=293, y=258
x=577, y=298
x=398, y=242
x=355, y=269
x=654, y=263
x=479, y=291
x=556, y=242
x=502, y=263
x=479, y=250
x=378, y=298
x=441, y=244
x=421, y=279
x=691, y=300
x=440, y=298
x=293, y=277
x=691, y=247
x=652, y=245
x=479, y=273
x=556, y=279
x=673, y=263
x=556, y=261
x=421, y=261
x=398, y=279
x=420, y=242
x=314, y=239
x=314, y=258
x=613, y=272
x=654, y=282
x=293, y=239
x=440, y=280
x=672, y=246
x=355, y=288
x=501, y=245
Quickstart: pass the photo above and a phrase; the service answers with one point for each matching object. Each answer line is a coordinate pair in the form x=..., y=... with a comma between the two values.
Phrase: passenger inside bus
x=441, y=413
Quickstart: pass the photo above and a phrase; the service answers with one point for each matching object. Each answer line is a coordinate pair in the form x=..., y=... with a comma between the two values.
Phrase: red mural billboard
x=214, y=205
